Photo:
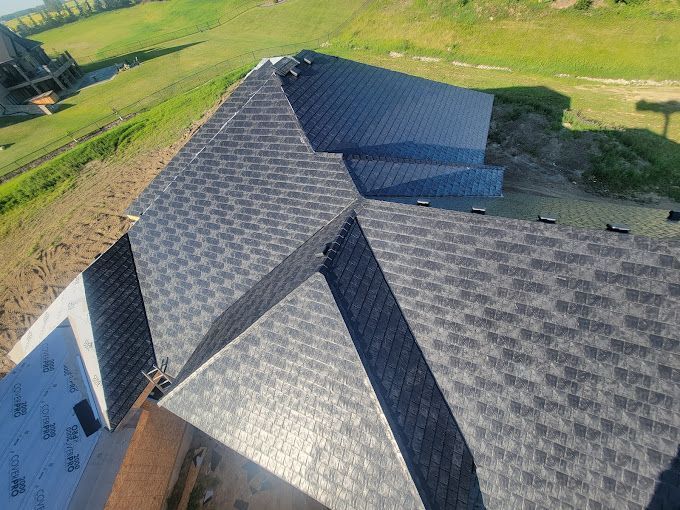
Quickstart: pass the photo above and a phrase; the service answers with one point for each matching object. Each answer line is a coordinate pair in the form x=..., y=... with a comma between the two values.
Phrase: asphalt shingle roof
x=249, y=199
x=380, y=178
x=556, y=348
x=121, y=333
x=448, y=360
x=358, y=109
x=291, y=394
x=430, y=439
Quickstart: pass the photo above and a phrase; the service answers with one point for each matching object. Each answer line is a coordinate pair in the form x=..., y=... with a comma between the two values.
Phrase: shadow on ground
x=13, y=120
x=142, y=55
x=546, y=147
x=666, y=108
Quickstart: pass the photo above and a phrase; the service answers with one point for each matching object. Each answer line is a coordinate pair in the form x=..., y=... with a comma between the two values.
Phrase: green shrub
x=583, y=5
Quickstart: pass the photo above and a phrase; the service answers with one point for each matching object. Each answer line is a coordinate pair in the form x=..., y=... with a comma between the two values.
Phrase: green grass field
x=638, y=40
x=157, y=127
x=264, y=26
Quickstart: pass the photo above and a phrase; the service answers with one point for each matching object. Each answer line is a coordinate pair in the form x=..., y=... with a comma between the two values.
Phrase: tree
x=98, y=5
x=33, y=21
x=88, y=8
x=22, y=29
x=71, y=15
x=81, y=10
x=48, y=19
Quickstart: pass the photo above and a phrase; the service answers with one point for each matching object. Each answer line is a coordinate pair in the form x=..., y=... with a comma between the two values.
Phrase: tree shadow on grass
x=142, y=55
x=666, y=108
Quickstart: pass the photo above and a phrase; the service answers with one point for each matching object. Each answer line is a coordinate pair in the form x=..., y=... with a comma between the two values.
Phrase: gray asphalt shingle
x=380, y=178
x=556, y=348
x=252, y=196
x=358, y=109
x=447, y=356
x=291, y=394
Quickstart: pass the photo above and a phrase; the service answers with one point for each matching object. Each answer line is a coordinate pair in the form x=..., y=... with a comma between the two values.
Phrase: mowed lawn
x=264, y=26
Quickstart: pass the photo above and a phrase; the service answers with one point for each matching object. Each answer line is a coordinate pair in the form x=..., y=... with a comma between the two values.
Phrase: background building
x=27, y=71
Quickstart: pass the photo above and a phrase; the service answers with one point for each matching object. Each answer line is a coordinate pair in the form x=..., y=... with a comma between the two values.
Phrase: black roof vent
x=423, y=203
x=307, y=61
x=547, y=218
x=86, y=417
x=478, y=210
x=674, y=215
x=618, y=227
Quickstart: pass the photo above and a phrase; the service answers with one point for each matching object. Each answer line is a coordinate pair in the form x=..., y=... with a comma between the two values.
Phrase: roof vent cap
x=618, y=227
x=547, y=218
x=294, y=72
x=307, y=61
x=478, y=210
x=423, y=203
x=674, y=215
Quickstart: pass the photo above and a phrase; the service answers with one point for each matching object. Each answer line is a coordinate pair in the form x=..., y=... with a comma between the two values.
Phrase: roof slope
x=272, y=288
x=206, y=134
x=12, y=44
x=121, y=334
x=557, y=349
x=404, y=178
x=358, y=109
x=428, y=435
x=291, y=394
x=252, y=196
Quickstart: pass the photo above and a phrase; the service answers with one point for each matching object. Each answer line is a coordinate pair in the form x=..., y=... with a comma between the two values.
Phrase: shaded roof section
x=357, y=109
x=119, y=325
x=404, y=178
x=12, y=44
x=251, y=197
x=556, y=348
x=429, y=437
x=291, y=394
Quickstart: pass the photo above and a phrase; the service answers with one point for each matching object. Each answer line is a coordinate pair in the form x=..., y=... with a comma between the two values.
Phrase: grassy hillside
x=609, y=136
x=155, y=128
x=639, y=39
x=264, y=26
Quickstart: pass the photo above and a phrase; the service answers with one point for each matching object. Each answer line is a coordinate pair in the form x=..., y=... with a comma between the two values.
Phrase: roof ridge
x=294, y=270
x=440, y=461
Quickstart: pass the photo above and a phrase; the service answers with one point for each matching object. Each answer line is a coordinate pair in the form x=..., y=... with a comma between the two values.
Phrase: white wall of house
x=71, y=304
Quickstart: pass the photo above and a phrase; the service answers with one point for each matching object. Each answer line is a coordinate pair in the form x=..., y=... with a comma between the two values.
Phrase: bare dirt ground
x=51, y=248
x=542, y=161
